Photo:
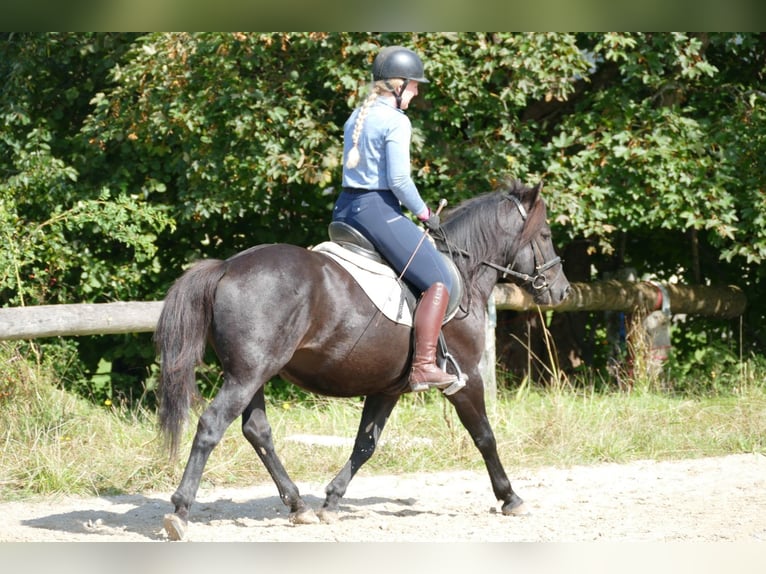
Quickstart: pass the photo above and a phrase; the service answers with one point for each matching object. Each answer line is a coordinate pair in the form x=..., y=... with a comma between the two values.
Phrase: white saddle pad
x=377, y=280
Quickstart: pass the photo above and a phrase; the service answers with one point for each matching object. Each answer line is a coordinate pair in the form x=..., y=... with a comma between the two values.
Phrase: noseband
x=538, y=280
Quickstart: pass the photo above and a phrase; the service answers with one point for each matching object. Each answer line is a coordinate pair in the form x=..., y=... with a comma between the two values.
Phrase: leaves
x=124, y=156
x=239, y=135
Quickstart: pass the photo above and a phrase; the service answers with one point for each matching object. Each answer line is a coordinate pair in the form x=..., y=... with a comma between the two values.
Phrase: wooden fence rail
x=79, y=319
x=724, y=302
x=139, y=317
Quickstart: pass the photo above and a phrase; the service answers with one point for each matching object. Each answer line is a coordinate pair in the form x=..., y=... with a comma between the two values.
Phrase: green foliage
x=98, y=249
x=711, y=366
x=65, y=240
x=235, y=131
x=125, y=156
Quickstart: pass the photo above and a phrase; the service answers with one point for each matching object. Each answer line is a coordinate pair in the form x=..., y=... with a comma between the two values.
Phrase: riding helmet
x=398, y=62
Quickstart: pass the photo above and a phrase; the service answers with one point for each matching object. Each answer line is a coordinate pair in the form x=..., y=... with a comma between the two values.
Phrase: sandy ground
x=704, y=500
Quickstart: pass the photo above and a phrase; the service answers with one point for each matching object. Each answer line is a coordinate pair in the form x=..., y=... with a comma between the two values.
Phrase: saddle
x=352, y=240
x=395, y=298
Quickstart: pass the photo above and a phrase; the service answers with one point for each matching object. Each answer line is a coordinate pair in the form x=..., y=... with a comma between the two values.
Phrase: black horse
x=284, y=310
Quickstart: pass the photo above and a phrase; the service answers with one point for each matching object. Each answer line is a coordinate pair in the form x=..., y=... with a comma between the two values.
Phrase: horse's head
x=531, y=258
x=508, y=231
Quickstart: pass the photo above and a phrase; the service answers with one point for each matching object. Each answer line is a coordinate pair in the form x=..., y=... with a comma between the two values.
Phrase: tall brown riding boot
x=428, y=323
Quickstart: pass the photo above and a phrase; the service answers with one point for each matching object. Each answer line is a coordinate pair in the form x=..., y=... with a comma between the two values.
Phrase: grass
x=54, y=442
x=586, y=428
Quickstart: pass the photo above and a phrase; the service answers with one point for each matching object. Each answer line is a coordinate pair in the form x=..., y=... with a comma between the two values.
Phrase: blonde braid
x=353, y=155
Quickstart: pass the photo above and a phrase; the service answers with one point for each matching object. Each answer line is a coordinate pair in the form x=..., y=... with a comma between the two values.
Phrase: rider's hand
x=430, y=220
x=433, y=222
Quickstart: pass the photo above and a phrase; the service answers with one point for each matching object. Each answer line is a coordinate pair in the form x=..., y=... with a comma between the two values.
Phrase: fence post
x=488, y=360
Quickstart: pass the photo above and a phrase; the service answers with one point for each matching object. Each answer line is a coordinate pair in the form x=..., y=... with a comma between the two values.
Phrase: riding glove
x=433, y=223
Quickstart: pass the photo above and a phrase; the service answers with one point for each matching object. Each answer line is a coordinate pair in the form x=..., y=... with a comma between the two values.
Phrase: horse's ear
x=536, y=192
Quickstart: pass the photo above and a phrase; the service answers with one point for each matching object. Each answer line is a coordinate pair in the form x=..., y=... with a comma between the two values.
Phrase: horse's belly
x=356, y=375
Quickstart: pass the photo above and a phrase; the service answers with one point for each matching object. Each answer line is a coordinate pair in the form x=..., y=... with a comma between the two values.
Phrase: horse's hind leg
x=375, y=413
x=257, y=430
x=227, y=405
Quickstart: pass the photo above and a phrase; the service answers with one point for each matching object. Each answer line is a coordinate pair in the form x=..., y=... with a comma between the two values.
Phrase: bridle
x=538, y=281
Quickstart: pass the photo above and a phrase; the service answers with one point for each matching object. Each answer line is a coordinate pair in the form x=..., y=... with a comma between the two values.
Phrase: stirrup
x=457, y=385
x=426, y=385
x=462, y=378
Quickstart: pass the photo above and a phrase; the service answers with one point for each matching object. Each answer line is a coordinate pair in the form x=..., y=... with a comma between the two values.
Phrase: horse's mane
x=479, y=228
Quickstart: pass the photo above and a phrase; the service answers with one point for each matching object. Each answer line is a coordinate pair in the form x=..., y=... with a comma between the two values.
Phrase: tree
x=125, y=156
x=65, y=238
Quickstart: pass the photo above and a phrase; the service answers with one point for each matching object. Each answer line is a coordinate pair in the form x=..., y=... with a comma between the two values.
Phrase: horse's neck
x=484, y=283
x=492, y=278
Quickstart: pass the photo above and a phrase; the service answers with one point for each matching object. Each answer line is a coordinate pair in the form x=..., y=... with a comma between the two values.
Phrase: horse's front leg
x=470, y=407
x=256, y=428
x=375, y=413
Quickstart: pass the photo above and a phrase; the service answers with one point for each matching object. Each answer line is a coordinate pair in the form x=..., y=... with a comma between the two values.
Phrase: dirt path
x=712, y=499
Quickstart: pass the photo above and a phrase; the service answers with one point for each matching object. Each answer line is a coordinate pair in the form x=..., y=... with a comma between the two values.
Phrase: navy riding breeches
x=378, y=216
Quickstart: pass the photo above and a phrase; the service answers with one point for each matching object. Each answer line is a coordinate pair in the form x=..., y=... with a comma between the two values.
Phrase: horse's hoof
x=515, y=507
x=175, y=527
x=328, y=516
x=306, y=516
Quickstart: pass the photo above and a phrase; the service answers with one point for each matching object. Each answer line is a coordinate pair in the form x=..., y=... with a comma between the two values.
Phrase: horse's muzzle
x=554, y=293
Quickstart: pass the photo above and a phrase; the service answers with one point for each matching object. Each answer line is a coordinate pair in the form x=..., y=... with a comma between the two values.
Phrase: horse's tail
x=180, y=339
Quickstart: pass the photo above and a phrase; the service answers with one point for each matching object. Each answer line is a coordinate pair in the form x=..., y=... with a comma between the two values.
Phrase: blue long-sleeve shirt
x=384, y=150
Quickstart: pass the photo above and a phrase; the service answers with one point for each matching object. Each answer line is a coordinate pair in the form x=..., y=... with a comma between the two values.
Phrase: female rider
x=377, y=183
